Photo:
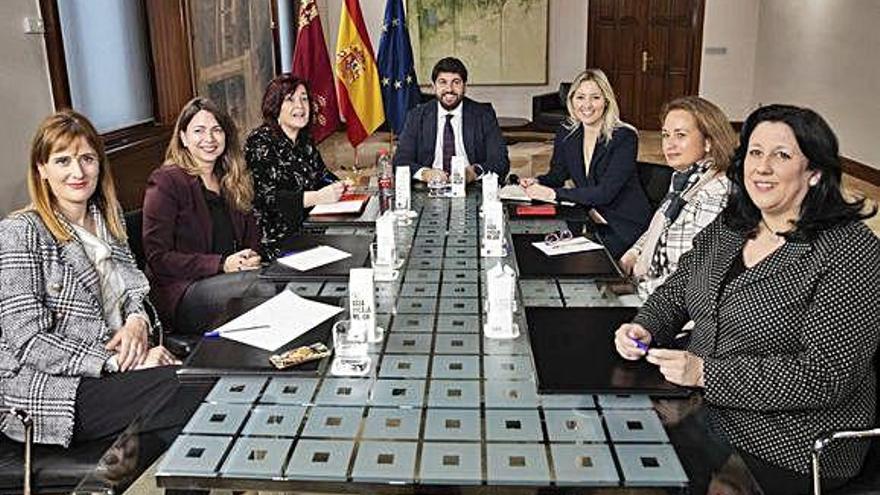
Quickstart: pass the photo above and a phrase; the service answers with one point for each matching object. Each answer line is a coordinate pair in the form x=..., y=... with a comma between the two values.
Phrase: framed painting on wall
x=500, y=41
x=233, y=58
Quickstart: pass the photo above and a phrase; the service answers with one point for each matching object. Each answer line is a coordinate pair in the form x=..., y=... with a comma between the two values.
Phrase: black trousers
x=718, y=467
x=106, y=406
x=205, y=301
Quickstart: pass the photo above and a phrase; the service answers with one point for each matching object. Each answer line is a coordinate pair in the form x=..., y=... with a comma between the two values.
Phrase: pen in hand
x=641, y=345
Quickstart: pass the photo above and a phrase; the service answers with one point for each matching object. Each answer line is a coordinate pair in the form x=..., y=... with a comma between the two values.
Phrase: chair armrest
x=823, y=441
x=181, y=345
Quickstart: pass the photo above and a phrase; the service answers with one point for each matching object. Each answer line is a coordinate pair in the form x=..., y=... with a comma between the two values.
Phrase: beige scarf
x=658, y=223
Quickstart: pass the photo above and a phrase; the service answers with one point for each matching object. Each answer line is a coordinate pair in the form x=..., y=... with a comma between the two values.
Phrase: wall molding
x=860, y=170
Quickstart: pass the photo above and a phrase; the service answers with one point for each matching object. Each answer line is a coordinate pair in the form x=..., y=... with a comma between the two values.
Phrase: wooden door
x=650, y=50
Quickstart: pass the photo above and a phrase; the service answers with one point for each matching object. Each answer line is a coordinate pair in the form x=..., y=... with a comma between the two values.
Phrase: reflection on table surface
x=444, y=409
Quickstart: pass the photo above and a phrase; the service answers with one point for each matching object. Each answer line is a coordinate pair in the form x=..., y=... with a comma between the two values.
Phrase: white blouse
x=98, y=250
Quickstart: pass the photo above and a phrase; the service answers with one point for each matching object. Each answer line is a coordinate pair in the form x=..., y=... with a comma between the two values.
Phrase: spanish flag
x=357, y=78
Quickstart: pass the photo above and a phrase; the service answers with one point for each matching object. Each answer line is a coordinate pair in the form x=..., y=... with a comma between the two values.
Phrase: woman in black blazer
x=609, y=186
x=784, y=291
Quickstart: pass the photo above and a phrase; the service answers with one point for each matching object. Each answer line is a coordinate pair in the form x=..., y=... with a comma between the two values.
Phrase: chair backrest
x=563, y=93
x=134, y=228
x=655, y=181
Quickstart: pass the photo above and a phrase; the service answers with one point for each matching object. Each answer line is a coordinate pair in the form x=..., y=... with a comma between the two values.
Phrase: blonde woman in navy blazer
x=76, y=351
x=593, y=133
x=784, y=290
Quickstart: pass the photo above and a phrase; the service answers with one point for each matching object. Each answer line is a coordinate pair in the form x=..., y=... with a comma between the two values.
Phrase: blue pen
x=328, y=178
x=218, y=333
x=641, y=345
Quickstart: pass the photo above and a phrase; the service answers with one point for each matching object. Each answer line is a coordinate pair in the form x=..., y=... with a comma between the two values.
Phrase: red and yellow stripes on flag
x=357, y=77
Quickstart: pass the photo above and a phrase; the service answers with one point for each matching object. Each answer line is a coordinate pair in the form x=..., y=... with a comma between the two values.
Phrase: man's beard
x=448, y=107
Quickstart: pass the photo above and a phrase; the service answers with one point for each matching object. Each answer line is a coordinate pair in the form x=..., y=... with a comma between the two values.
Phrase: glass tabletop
x=443, y=407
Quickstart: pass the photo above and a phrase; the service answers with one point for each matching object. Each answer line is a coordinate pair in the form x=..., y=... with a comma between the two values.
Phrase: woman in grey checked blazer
x=784, y=290
x=72, y=301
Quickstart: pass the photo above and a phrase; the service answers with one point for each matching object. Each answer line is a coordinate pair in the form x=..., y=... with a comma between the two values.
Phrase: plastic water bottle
x=386, y=180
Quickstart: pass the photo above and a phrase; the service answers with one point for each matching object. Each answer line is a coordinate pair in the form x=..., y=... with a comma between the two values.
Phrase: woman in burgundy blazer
x=200, y=235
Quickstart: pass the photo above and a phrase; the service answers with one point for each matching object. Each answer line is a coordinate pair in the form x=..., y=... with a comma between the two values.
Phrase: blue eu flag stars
x=397, y=76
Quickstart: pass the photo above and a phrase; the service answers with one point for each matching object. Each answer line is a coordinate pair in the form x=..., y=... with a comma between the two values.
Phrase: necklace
x=773, y=234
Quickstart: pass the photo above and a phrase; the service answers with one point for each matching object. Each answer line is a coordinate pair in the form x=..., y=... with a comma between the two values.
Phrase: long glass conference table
x=443, y=407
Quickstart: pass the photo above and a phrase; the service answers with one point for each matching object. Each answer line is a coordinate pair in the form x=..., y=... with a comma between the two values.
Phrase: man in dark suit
x=434, y=132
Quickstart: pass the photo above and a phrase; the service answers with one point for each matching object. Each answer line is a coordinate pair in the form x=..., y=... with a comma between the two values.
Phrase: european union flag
x=400, y=89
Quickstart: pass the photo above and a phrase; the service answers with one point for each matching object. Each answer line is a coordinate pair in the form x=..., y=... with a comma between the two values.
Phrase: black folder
x=574, y=354
x=533, y=263
x=358, y=246
x=216, y=356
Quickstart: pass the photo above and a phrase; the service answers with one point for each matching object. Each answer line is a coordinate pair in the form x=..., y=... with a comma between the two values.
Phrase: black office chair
x=134, y=228
x=868, y=481
x=655, y=181
x=549, y=109
x=179, y=345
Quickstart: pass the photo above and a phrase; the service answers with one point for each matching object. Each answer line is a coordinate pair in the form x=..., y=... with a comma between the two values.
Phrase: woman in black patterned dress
x=289, y=174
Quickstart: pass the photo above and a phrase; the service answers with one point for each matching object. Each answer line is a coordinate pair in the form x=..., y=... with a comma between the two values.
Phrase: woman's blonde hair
x=712, y=123
x=236, y=184
x=56, y=133
x=611, y=117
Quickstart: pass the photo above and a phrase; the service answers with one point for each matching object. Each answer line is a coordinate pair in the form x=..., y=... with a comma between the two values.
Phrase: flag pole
x=357, y=170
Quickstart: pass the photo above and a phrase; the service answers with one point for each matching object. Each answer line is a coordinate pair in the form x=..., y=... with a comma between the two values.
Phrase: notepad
x=513, y=192
x=278, y=321
x=576, y=245
x=313, y=258
x=348, y=205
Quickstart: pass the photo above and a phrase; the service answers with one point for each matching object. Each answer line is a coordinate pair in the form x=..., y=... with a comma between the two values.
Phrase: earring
x=814, y=180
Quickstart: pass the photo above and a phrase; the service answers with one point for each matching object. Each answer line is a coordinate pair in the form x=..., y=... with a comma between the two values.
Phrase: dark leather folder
x=574, y=354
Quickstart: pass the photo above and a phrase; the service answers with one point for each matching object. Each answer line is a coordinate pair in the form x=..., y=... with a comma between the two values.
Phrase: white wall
x=728, y=78
x=825, y=55
x=25, y=97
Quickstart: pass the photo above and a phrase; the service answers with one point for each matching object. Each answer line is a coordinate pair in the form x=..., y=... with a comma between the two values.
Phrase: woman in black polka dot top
x=784, y=290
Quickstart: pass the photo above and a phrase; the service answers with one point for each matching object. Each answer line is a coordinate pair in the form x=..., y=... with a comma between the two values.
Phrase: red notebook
x=536, y=211
x=354, y=197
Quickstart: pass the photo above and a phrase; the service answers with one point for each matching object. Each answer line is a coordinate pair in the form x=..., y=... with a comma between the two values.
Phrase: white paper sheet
x=339, y=208
x=576, y=245
x=513, y=192
x=282, y=318
x=313, y=258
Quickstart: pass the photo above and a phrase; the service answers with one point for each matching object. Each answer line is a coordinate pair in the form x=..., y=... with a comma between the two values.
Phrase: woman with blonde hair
x=200, y=235
x=597, y=151
x=73, y=305
x=698, y=143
